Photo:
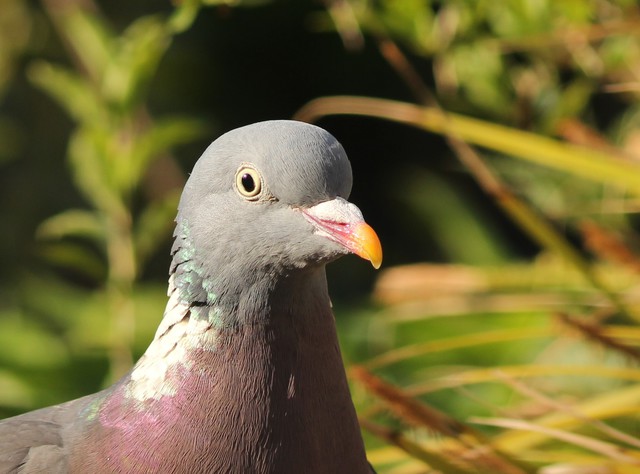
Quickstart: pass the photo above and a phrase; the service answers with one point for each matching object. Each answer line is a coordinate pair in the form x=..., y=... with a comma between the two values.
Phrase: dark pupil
x=247, y=182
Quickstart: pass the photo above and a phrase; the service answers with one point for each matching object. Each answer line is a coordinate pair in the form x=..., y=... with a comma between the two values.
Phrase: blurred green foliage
x=526, y=335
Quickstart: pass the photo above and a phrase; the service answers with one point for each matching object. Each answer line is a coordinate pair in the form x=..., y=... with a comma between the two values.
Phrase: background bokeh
x=495, y=149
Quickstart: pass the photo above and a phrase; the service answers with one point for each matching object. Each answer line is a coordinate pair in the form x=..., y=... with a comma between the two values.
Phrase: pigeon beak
x=342, y=222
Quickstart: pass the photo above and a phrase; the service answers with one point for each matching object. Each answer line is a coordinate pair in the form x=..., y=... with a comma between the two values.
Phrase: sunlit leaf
x=149, y=303
x=589, y=163
x=480, y=69
x=14, y=392
x=73, y=222
x=92, y=172
x=411, y=20
x=135, y=60
x=70, y=256
x=58, y=302
x=24, y=344
x=610, y=404
x=155, y=222
x=16, y=29
x=161, y=137
x=90, y=39
x=12, y=140
x=184, y=15
x=75, y=94
x=433, y=202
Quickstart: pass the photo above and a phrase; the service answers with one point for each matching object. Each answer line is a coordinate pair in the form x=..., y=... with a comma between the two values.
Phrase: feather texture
x=244, y=373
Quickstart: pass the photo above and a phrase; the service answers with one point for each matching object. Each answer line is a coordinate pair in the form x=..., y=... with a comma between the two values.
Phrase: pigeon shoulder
x=35, y=442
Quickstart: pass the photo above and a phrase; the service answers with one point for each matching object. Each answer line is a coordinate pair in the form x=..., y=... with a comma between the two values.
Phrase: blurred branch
x=475, y=448
x=346, y=23
x=621, y=403
x=609, y=450
x=115, y=144
x=404, y=353
x=442, y=461
x=394, y=56
x=540, y=397
x=562, y=37
x=495, y=374
x=587, y=163
x=548, y=84
x=525, y=145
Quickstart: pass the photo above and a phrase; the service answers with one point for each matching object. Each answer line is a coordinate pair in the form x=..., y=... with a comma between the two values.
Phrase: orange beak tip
x=367, y=244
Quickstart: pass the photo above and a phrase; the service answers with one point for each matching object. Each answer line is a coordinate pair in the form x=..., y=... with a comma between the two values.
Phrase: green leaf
x=155, y=222
x=93, y=172
x=90, y=38
x=136, y=59
x=589, y=163
x=480, y=70
x=184, y=15
x=14, y=392
x=411, y=20
x=72, y=92
x=24, y=344
x=149, y=304
x=606, y=404
x=569, y=104
x=71, y=256
x=446, y=215
x=163, y=135
x=235, y=3
x=58, y=303
x=73, y=222
x=12, y=140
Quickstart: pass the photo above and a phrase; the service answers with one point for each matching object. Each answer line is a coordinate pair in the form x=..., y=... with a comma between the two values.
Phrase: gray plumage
x=244, y=373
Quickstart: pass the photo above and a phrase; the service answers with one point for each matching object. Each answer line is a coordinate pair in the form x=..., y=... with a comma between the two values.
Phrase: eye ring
x=248, y=182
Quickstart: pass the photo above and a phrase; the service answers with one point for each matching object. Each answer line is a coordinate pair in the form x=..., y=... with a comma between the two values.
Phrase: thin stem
x=119, y=287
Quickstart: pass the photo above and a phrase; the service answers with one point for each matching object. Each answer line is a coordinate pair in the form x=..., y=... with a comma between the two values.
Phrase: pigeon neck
x=226, y=292
x=270, y=396
x=296, y=308
x=219, y=288
x=177, y=334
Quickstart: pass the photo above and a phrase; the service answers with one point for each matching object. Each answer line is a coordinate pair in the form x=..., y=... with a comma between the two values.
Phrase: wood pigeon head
x=276, y=194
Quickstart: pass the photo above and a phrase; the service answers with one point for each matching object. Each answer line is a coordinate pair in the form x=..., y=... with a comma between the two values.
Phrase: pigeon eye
x=248, y=182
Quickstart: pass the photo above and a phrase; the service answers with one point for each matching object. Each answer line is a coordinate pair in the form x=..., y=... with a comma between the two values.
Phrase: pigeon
x=244, y=374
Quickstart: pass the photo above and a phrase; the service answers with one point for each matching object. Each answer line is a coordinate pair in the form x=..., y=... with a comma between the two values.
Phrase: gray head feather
x=302, y=164
x=229, y=249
